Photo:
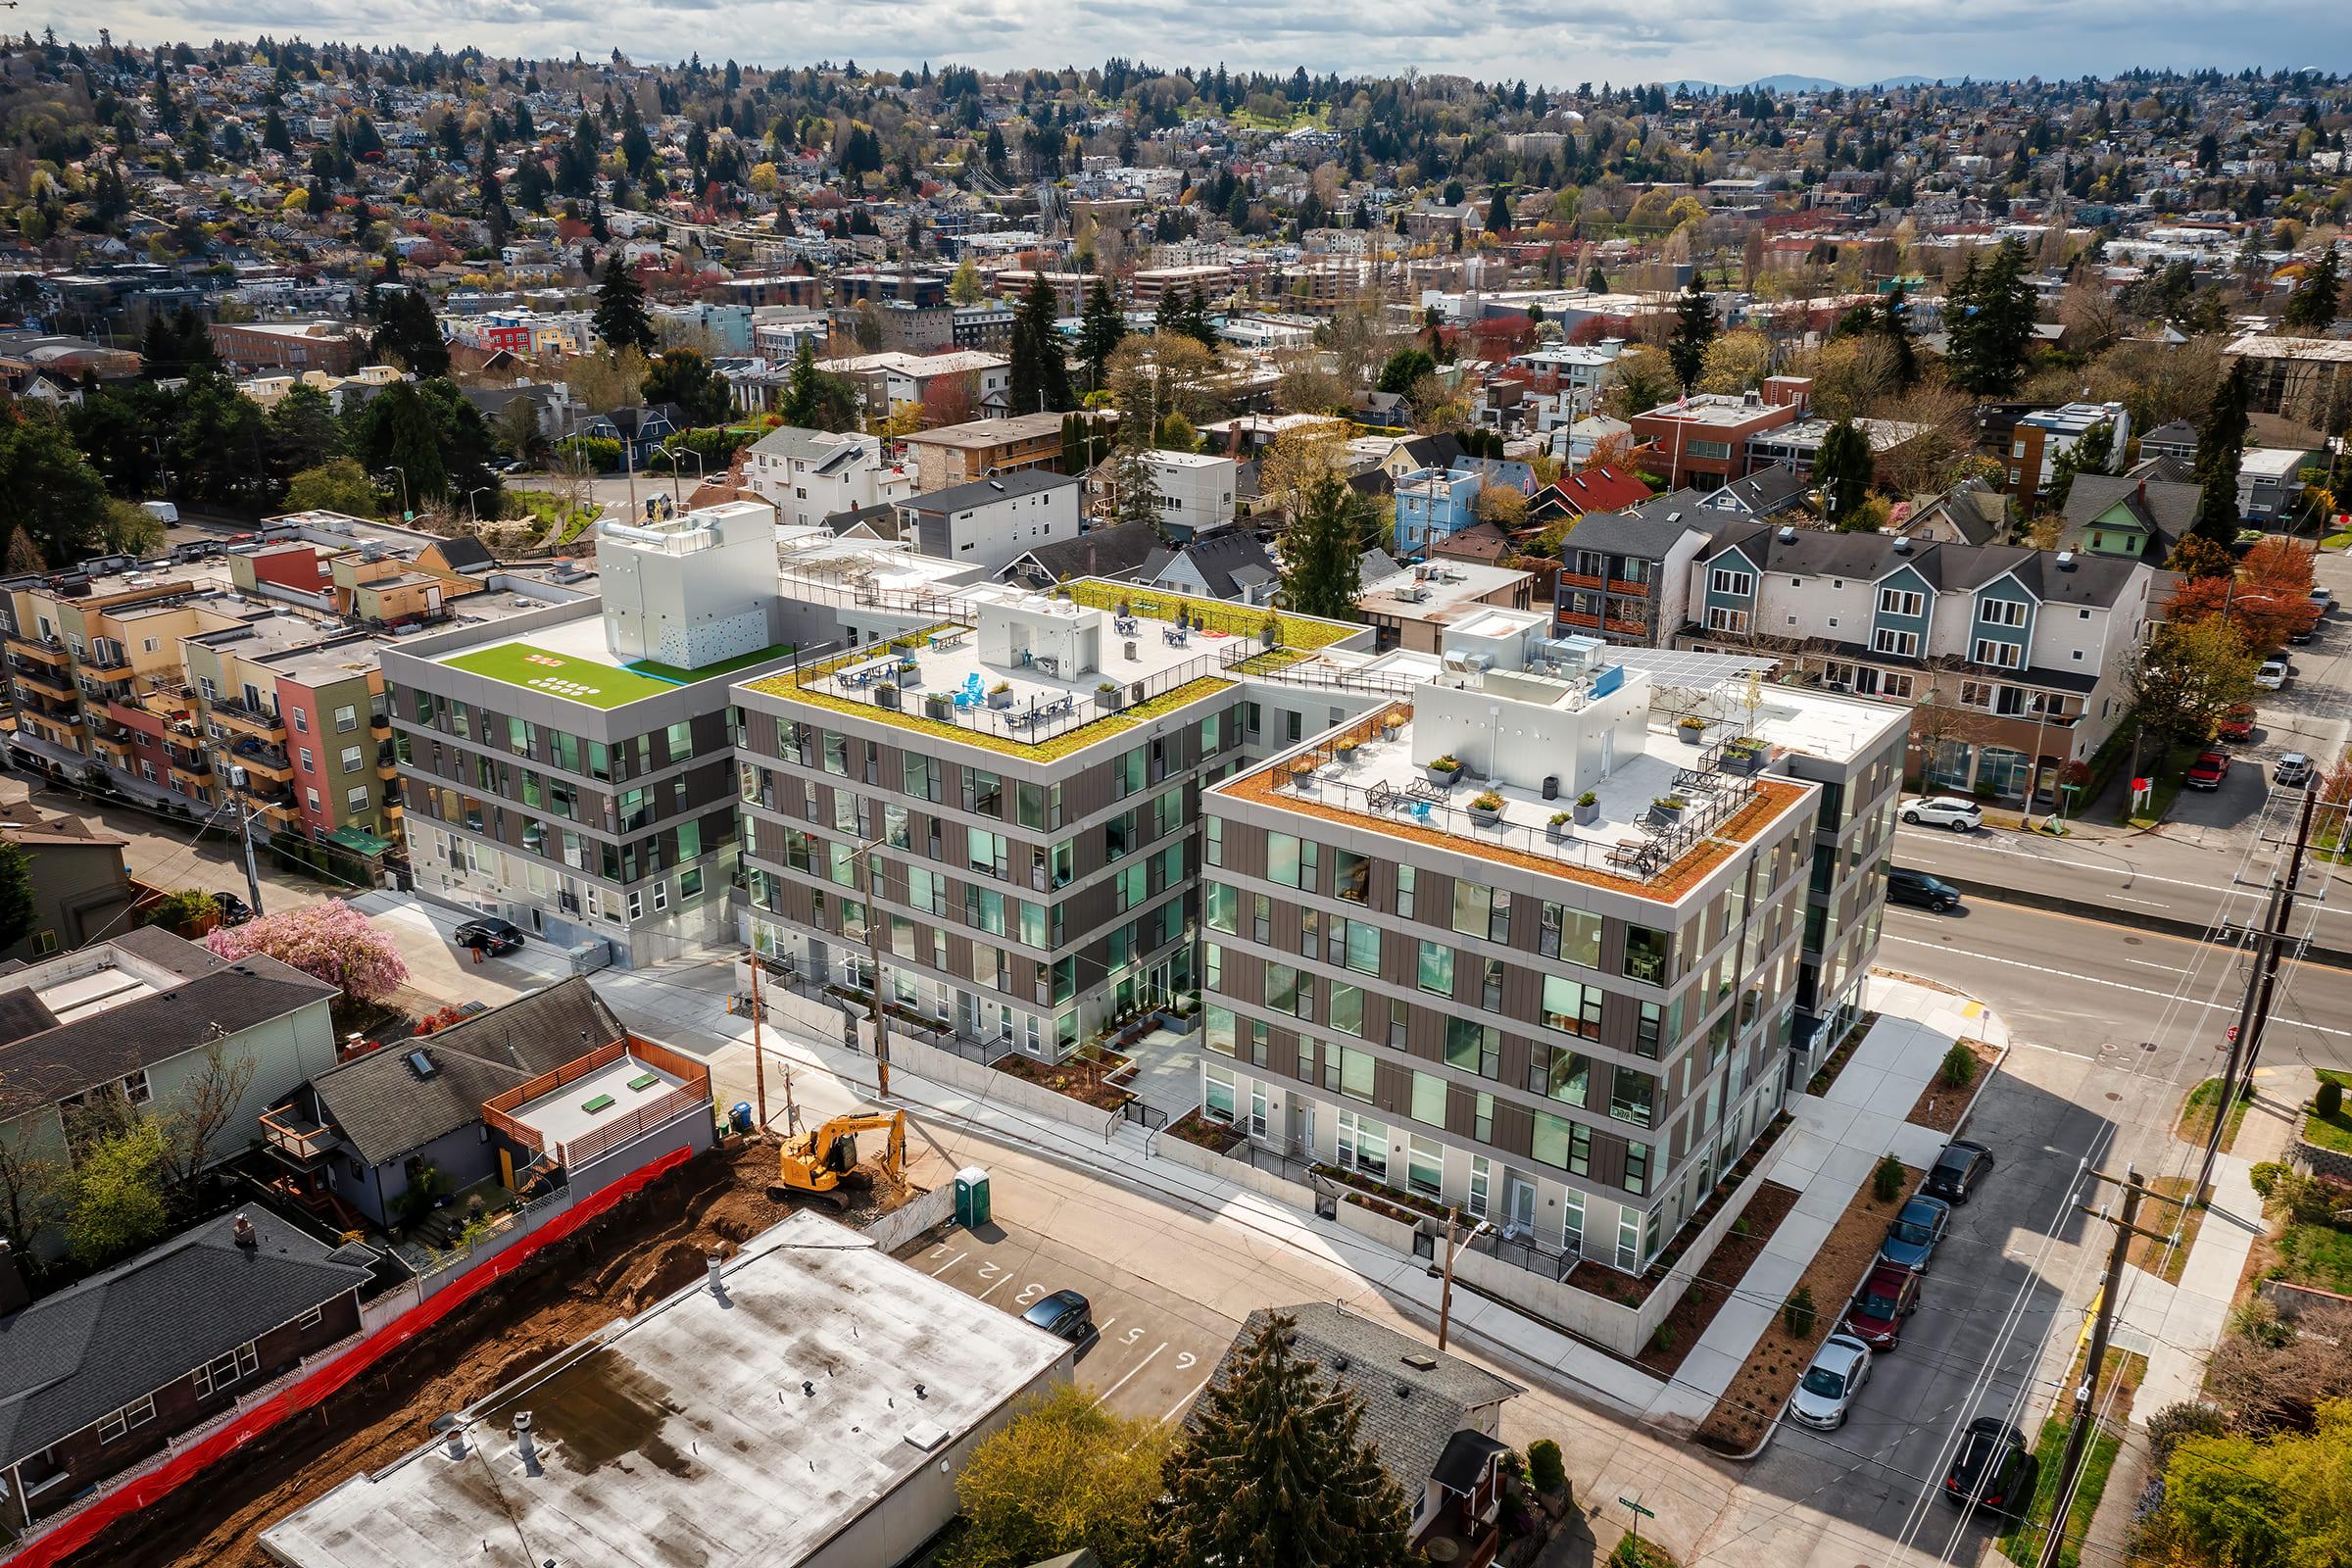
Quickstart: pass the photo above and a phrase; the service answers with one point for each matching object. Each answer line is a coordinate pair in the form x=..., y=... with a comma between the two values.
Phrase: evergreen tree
x=1134, y=487
x=620, y=318
x=2219, y=447
x=1322, y=551
x=1040, y=373
x=1275, y=1470
x=1193, y=319
x=396, y=429
x=1596, y=280
x=1843, y=469
x=1693, y=331
x=2091, y=453
x=1894, y=325
x=1990, y=314
x=799, y=406
x=1102, y=328
x=1498, y=214
x=2312, y=307
x=409, y=333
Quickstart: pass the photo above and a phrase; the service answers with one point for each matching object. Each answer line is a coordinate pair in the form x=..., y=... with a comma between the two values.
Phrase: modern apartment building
x=568, y=767
x=982, y=449
x=995, y=803
x=2005, y=654
x=2039, y=438
x=1625, y=575
x=991, y=523
x=1704, y=439
x=1568, y=1021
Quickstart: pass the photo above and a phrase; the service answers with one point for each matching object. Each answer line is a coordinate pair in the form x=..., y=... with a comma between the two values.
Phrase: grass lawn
x=679, y=674
x=2196, y=1114
x=2155, y=1256
x=2316, y=1254
x=551, y=513
x=2337, y=541
x=577, y=525
x=2021, y=1541
x=577, y=680
x=2331, y=1132
x=2167, y=789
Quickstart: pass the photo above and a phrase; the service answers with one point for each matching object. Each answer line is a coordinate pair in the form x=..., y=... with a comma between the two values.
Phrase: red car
x=2239, y=727
x=1887, y=1296
x=2207, y=770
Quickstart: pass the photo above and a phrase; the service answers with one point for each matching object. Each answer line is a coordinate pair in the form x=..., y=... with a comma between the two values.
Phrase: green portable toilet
x=971, y=1196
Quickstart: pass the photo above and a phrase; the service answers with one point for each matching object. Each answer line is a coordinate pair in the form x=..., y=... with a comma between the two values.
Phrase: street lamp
x=475, y=506
x=393, y=467
x=701, y=473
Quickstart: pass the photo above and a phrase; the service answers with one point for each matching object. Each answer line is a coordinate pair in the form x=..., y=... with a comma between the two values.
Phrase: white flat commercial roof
x=750, y=1429
x=617, y=1090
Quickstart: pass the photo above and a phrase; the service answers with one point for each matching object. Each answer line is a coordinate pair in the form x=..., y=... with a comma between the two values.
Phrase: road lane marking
x=1130, y=1372
x=984, y=1295
x=1190, y=1395
x=2092, y=979
x=949, y=1264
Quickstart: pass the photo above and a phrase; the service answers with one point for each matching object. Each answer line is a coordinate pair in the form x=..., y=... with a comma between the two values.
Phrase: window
x=1218, y=1098
x=1637, y=1168
x=1424, y=1165
x=351, y=758
x=1405, y=891
x=1217, y=1030
x=347, y=720
x=1282, y=989
x=1726, y=620
x=1429, y=1099
x=1436, y=968
x=1632, y=1096
x=136, y=1414
x=1900, y=602
x=2002, y=655
x=1901, y=644
x=1645, y=955
x=1213, y=846
x=226, y=1369
x=1351, y=876
x=1287, y=859
x=302, y=718
x=2002, y=611
x=1572, y=1007
x=1731, y=584
x=1561, y=1143
x=1897, y=687
x=1219, y=906
x=308, y=767
x=310, y=1319
x=1480, y=912
x=1571, y=934
x=313, y=797
x=1473, y=1048
x=920, y=775
x=356, y=798
x=1561, y=1075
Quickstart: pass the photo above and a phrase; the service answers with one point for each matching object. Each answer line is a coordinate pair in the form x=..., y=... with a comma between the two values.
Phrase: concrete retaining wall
x=986, y=1083
x=1394, y=1234
x=2294, y=1301
x=2318, y=1162
x=910, y=1219
x=2119, y=914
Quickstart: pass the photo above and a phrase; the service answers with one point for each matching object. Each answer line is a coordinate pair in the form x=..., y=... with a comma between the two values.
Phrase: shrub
x=2329, y=1102
x=1587, y=799
x=2189, y=1418
x=1661, y=1340
x=1447, y=764
x=1959, y=1066
x=1545, y=1470
x=1798, y=1314
x=1887, y=1180
x=2265, y=1176
x=1487, y=802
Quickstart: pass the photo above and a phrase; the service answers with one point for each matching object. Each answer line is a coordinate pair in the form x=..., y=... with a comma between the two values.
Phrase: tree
x=205, y=1106
x=815, y=399
x=116, y=1200
x=2093, y=450
x=2219, y=444
x=1274, y=1470
x=1498, y=214
x=1297, y=459
x=1843, y=469
x=1099, y=331
x=603, y=382
x=2282, y=1501
x=964, y=284
x=19, y=911
x=1151, y=376
x=55, y=497
x=303, y=432
x=2311, y=309
x=1990, y=314
x=1638, y=383
x=684, y=377
x=2189, y=679
x=1694, y=329
x=1893, y=324
x=2266, y=598
x=1134, y=488
x=1735, y=361
x=1405, y=368
x=1040, y=373
x=395, y=431
x=1322, y=551
x=329, y=940
x=409, y=336
x=620, y=318
x=1062, y=1476
x=33, y=1187
x=341, y=485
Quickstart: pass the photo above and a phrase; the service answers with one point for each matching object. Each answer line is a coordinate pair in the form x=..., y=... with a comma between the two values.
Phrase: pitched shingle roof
x=73, y=1357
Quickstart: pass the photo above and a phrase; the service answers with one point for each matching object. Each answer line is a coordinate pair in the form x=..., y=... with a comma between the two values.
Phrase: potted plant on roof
x=1302, y=772
x=1001, y=695
x=1485, y=809
x=1109, y=695
x=1390, y=722
x=1347, y=750
x=1587, y=808
x=1692, y=728
x=1443, y=770
x=939, y=705
x=1668, y=809
x=886, y=695
x=1744, y=755
x=1557, y=828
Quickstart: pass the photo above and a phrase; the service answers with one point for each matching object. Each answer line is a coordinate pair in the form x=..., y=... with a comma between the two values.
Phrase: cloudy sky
x=1615, y=40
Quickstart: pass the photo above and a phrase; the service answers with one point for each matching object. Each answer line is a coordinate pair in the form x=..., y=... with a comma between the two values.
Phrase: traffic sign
x=1637, y=1507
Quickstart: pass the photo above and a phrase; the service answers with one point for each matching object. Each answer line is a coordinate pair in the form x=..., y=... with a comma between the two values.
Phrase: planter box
x=1395, y=1235
x=999, y=700
x=1480, y=816
x=1669, y=815
x=1443, y=776
x=942, y=709
x=1555, y=831
x=1111, y=700
x=1691, y=736
x=1745, y=763
x=1585, y=816
x=886, y=697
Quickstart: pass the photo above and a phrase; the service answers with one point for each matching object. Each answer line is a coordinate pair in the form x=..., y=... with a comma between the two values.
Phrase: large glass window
x=1282, y=987
x=1561, y=1143
x=1632, y=1095
x=1218, y=1104
x=1348, y=1007
x=1351, y=876
x=1645, y=952
x=1561, y=1075
x=1216, y=1024
x=1637, y=1168
x=920, y=775
x=1571, y=1005
x=1436, y=968
x=1356, y=1073
x=1473, y=906
x=1429, y=1099
x=1571, y=934
x=1473, y=1046
x=1424, y=1166
x=1219, y=906
x=1363, y=946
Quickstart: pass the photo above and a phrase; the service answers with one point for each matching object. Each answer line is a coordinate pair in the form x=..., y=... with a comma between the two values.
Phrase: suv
x=1889, y=1295
x=2207, y=770
x=1994, y=1468
x=2292, y=770
x=1945, y=811
x=1917, y=887
x=489, y=935
x=1957, y=1171
x=1066, y=1315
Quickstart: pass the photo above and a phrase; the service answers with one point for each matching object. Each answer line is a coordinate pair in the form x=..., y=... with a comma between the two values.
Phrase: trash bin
x=738, y=1115
x=971, y=1196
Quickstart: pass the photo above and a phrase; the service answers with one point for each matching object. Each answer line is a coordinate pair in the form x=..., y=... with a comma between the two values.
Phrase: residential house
x=2176, y=440
x=1412, y=607
x=889, y=379
x=1231, y=565
x=638, y=430
x=1765, y=493
x=1436, y=1419
x=80, y=888
x=1433, y=503
x=2038, y=438
x=1120, y=554
x=989, y=523
x=1971, y=513
x=2295, y=376
x=253, y=347
x=1704, y=439
x=984, y=449
x=2015, y=662
x=1625, y=575
x=1195, y=492
x=2269, y=483
x=108, y=1371
x=1575, y=495
x=813, y=474
x=2139, y=515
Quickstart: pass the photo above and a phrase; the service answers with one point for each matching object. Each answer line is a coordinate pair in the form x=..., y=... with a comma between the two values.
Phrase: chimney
x=244, y=1235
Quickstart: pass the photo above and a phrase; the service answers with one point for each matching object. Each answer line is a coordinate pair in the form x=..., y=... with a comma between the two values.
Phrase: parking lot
x=1156, y=1349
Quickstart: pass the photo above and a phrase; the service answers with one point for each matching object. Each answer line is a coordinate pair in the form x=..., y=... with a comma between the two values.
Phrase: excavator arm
x=816, y=1162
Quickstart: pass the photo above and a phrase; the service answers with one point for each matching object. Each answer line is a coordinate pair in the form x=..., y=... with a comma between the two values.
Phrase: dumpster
x=971, y=1196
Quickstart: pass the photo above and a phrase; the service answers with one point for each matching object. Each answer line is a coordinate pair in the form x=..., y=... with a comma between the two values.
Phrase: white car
x=2272, y=676
x=1945, y=811
x=1825, y=1394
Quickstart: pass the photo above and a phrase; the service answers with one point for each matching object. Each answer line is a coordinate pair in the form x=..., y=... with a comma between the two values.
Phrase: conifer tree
x=1693, y=331
x=1103, y=326
x=1322, y=551
x=1040, y=373
x=620, y=318
x=2219, y=447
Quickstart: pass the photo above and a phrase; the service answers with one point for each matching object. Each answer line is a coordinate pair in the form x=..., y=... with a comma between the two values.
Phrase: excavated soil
x=648, y=1247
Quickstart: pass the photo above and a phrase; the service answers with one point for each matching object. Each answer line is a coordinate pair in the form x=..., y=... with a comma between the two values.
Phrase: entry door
x=1518, y=1203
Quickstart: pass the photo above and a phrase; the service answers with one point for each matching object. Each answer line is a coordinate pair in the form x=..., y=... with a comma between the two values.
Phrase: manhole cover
x=2147, y=1045
x=2132, y=942
x=2115, y=1096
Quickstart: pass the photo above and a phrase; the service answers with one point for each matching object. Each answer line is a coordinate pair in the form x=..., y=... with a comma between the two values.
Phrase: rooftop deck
x=571, y=659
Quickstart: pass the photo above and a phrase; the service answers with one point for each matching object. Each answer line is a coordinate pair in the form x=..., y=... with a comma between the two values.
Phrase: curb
x=2108, y=914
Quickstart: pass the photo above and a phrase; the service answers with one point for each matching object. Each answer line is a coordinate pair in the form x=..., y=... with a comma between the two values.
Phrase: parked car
x=2236, y=726
x=489, y=934
x=2207, y=770
x=1913, y=1238
x=1889, y=1294
x=2273, y=673
x=233, y=910
x=1825, y=1394
x=1957, y=1171
x=1904, y=886
x=1066, y=1315
x=1993, y=1469
x=2292, y=770
x=1945, y=811
x=2323, y=600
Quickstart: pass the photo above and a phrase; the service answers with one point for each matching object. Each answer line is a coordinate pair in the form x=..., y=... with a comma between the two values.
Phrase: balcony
x=267, y=761
x=112, y=742
x=48, y=682
x=301, y=1140
x=106, y=662
x=51, y=652
x=258, y=722
x=195, y=769
x=1580, y=579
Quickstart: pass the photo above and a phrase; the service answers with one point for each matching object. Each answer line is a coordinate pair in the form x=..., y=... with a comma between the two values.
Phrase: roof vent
x=1787, y=533
x=926, y=1435
x=1902, y=545
x=421, y=1065
x=244, y=1235
x=2066, y=560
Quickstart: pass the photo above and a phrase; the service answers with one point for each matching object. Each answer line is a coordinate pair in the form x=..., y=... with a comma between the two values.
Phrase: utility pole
x=2077, y=1435
x=237, y=778
x=2268, y=950
x=1454, y=1249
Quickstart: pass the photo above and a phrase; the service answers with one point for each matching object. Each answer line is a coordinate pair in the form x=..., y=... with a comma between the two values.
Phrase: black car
x=1958, y=1169
x=1994, y=1468
x=1917, y=887
x=1066, y=1315
x=233, y=910
x=489, y=935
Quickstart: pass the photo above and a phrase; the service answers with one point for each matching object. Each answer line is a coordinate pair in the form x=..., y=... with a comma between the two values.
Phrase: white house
x=1195, y=492
x=813, y=474
x=989, y=524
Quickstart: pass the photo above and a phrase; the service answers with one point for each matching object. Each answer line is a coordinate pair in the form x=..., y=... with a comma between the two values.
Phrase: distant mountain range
x=1794, y=83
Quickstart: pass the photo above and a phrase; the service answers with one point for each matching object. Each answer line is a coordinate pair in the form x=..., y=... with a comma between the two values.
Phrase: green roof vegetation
x=1304, y=632
x=680, y=675
x=576, y=680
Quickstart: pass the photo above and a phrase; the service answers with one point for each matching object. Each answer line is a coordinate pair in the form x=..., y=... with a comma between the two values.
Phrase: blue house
x=1434, y=504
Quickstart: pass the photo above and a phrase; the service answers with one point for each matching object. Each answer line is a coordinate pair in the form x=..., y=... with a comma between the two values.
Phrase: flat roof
x=612, y=1094
x=751, y=1430
x=571, y=659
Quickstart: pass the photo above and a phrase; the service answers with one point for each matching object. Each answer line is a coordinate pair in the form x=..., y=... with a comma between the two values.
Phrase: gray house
x=1231, y=565
x=81, y=889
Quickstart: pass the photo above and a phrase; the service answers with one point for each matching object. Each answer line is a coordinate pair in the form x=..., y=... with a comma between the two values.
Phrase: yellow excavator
x=823, y=1163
